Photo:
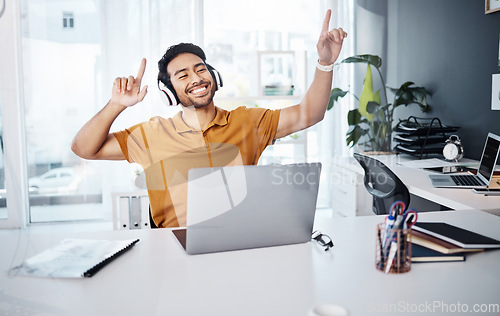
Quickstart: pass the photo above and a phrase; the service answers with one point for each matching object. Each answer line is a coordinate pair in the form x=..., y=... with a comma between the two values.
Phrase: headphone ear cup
x=217, y=77
x=167, y=96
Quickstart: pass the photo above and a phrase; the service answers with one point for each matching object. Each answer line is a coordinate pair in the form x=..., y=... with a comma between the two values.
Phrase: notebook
x=242, y=207
x=484, y=173
x=73, y=258
x=424, y=254
x=458, y=236
x=438, y=244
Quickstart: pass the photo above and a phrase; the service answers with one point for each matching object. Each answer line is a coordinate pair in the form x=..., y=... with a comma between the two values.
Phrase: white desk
x=418, y=183
x=156, y=277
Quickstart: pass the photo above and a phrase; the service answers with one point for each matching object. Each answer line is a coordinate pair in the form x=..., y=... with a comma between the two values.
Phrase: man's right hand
x=127, y=91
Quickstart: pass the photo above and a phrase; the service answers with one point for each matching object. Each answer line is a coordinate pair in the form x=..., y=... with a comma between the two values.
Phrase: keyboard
x=467, y=180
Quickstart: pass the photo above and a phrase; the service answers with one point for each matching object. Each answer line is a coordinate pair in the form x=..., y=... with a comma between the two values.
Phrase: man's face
x=191, y=79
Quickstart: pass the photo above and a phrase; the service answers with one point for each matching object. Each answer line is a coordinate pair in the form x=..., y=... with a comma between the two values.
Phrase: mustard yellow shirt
x=168, y=148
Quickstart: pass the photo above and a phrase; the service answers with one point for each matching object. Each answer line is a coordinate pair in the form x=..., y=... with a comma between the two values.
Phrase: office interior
x=431, y=54
x=59, y=58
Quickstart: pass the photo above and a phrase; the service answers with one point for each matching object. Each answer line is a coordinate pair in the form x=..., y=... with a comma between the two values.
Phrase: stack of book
x=439, y=242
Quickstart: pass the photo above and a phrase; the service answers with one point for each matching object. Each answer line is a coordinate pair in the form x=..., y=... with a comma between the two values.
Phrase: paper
x=495, y=92
x=71, y=258
x=426, y=163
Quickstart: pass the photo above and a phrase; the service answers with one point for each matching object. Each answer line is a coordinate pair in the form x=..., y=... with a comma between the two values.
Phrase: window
x=251, y=55
x=267, y=58
x=68, y=79
x=61, y=77
x=68, y=20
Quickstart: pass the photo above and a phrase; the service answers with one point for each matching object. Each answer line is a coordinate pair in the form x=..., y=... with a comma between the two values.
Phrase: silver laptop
x=484, y=173
x=242, y=207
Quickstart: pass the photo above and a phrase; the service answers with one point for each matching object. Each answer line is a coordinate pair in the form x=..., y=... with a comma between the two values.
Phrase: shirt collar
x=220, y=118
x=181, y=126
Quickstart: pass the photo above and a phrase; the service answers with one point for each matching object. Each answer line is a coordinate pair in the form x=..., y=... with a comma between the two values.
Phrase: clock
x=453, y=149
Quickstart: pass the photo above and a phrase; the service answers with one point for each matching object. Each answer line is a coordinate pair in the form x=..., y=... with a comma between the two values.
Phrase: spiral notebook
x=73, y=258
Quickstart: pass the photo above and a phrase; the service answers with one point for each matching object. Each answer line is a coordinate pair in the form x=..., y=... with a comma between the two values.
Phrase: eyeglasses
x=322, y=239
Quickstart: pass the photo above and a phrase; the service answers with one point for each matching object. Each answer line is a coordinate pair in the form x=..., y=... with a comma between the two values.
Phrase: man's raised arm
x=94, y=141
x=313, y=106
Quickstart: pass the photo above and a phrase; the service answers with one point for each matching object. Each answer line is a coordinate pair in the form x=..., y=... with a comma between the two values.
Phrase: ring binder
x=90, y=272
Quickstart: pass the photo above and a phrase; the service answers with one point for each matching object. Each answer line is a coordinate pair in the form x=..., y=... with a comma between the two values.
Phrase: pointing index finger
x=326, y=22
x=142, y=69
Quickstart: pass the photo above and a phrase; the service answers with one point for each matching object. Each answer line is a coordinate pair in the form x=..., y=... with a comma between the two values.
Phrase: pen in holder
x=393, y=249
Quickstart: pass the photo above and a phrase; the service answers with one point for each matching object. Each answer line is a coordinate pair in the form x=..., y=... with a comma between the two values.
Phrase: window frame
x=11, y=104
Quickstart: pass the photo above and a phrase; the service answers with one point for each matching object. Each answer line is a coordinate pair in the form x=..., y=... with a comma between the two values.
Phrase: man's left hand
x=330, y=42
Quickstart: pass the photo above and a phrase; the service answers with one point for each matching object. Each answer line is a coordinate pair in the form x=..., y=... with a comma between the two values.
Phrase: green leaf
x=354, y=135
x=335, y=94
x=425, y=108
x=330, y=104
x=406, y=85
x=367, y=95
x=372, y=107
x=373, y=60
x=353, y=117
x=406, y=95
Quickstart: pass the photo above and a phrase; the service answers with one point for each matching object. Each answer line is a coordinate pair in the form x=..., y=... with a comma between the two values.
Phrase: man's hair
x=172, y=52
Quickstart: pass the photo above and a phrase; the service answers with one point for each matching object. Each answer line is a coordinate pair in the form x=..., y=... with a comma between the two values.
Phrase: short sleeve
x=267, y=124
x=133, y=143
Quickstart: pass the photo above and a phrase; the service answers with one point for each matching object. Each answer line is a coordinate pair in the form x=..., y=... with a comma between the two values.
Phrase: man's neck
x=199, y=119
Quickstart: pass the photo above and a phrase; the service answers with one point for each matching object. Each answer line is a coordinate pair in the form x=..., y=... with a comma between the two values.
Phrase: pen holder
x=393, y=249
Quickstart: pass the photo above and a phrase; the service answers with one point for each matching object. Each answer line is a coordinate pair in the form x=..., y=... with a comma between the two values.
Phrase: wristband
x=324, y=68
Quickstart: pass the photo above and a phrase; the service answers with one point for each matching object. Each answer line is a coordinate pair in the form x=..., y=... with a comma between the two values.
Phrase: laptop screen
x=489, y=157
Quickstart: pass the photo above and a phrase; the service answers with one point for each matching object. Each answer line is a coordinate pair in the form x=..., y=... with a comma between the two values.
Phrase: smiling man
x=198, y=91
x=201, y=134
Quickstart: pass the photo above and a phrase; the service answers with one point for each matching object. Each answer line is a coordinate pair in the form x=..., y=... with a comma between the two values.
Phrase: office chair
x=151, y=221
x=385, y=187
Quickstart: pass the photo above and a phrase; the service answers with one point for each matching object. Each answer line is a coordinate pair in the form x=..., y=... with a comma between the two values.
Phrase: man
x=201, y=135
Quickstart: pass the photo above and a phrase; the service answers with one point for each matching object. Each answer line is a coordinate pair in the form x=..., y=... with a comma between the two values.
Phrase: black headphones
x=167, y=92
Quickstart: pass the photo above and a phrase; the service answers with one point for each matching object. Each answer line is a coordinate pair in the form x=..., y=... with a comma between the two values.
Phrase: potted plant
x=371, y=124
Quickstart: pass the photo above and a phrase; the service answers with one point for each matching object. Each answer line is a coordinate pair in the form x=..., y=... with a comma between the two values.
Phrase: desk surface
x=156, y=277
x=418, y=183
